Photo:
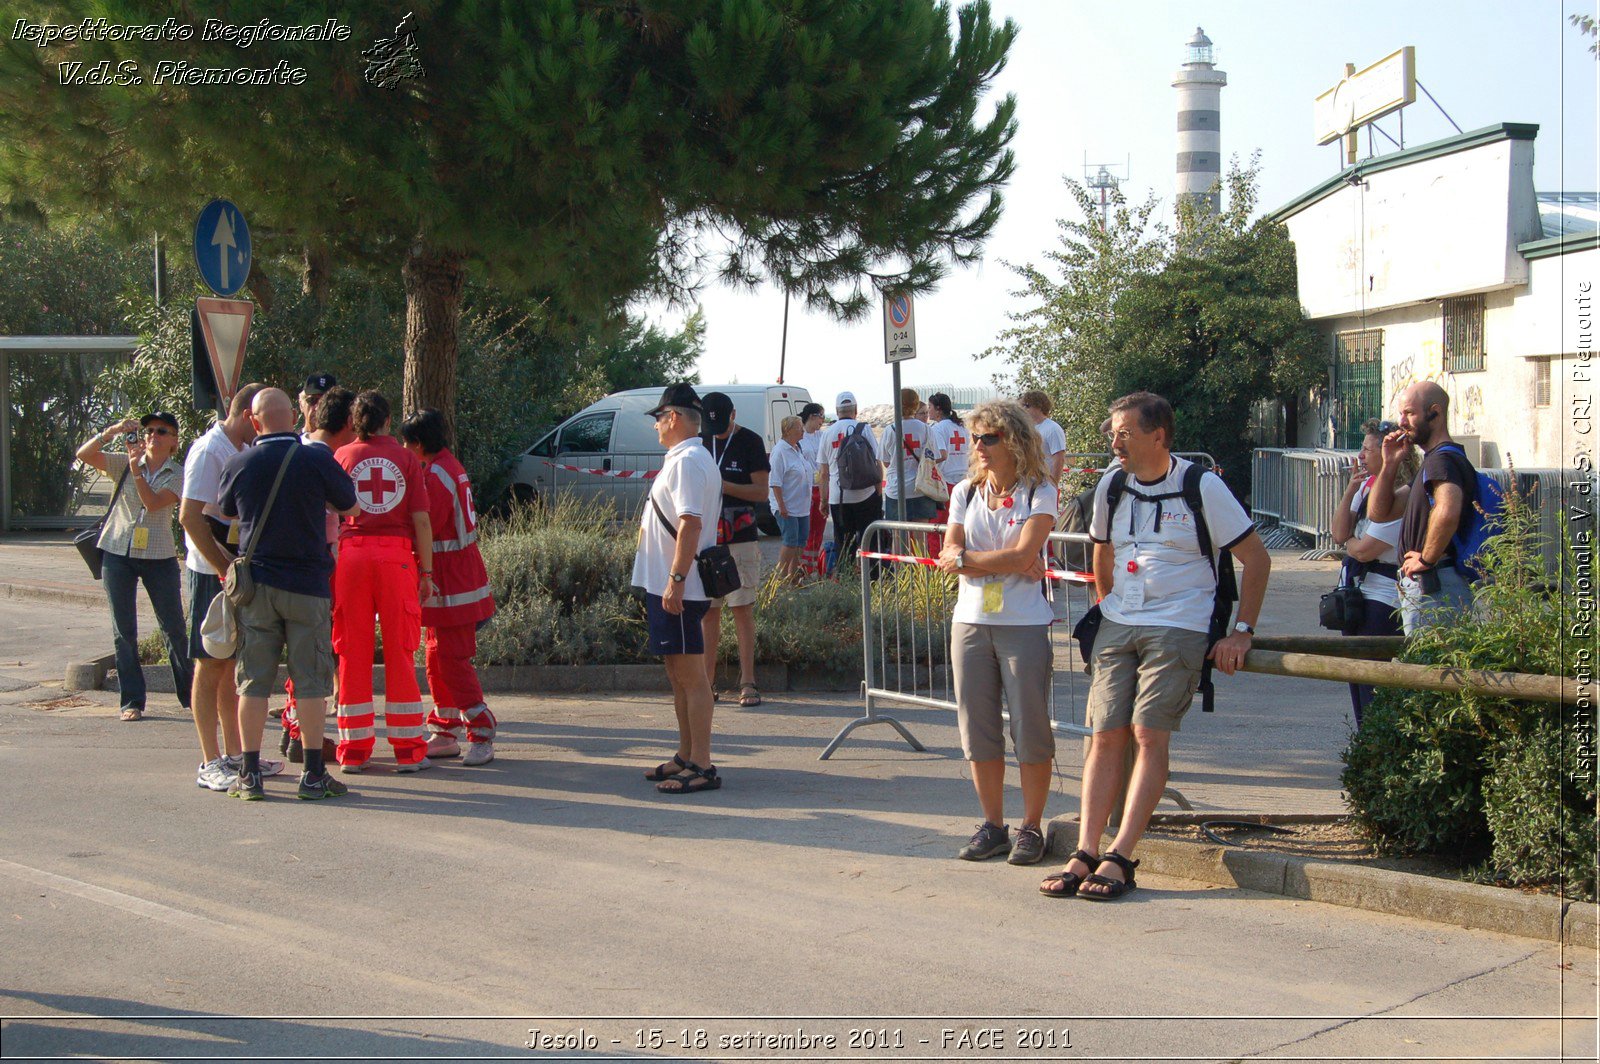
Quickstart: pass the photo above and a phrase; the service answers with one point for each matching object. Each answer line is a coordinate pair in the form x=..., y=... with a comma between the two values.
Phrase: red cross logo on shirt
x=911, y=446
x=956, y=440
x=379, y=485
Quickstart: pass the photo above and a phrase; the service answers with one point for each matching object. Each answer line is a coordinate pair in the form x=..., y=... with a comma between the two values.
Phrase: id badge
x=994, y=596
x=233, y=534
x=141, y=538
x=1133, y=591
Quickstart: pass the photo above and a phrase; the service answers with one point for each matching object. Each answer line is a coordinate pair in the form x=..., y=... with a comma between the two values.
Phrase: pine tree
x=586, y=151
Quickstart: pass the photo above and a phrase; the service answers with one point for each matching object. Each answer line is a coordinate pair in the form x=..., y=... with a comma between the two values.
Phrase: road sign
x=899, y=328
x=225, y=328
x=222, y=247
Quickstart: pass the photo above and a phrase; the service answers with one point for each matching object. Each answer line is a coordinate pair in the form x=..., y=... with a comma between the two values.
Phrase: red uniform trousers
x=458, y=707
x=377, y=577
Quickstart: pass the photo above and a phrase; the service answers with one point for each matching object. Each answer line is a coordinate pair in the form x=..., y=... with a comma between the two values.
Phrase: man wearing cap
x=741, y=458
x=853, y=508
x=213, y=541
x=677, y=524
x=136, y=546
x=811, y=421
x=317, y=385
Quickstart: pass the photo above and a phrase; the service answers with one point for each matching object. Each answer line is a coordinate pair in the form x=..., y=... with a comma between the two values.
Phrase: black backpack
x=1227, y=592
x=858, y=466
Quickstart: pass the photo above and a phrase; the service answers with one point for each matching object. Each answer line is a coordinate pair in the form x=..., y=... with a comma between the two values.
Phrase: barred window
x=1541, y=381
x=1463, y=334
x=1358, y=382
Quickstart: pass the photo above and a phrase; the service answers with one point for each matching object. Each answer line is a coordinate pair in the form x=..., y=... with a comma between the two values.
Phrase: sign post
x=899, y=344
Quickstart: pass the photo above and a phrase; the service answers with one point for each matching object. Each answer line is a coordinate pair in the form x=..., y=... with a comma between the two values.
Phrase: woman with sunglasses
x=136, y=545
x=1001, y=517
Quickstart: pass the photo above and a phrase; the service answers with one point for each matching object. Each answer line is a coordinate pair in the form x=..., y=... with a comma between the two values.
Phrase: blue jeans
x=122, y=575
x=1419, y=609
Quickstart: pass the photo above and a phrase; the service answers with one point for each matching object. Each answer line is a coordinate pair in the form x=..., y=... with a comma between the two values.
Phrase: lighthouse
x=1199, y=84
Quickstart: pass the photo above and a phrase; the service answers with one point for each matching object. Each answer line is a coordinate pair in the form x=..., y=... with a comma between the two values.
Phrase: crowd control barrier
x=906, y=605
x=1099, y=462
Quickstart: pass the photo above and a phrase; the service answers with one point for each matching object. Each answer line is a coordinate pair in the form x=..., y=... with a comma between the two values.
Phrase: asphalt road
x=554, y=889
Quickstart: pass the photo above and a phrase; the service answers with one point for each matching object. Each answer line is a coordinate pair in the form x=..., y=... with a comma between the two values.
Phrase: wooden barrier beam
x=1518, y=685
x=1376, y=647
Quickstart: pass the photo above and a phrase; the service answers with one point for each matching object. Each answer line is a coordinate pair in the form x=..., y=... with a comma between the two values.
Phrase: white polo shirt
x=689, y=483
x=202, y=480
x=1159, y=576
x=1051, y=436
x=791, y=471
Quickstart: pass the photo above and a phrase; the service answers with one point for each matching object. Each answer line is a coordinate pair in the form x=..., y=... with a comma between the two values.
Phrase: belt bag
x=237, y=584
x=1085, y=631
x=718, y=571
x=1341, y=609
x=88, y=541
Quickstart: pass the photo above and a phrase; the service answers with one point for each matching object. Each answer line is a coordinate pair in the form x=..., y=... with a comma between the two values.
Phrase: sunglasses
x=988, y=439
x=159, y=432
x=662, y=414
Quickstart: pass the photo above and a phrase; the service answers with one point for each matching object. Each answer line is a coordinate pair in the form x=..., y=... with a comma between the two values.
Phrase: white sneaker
x=269, y=766
x=443, y=745
x=479, y=754
x=415, y=766
x=215, y=775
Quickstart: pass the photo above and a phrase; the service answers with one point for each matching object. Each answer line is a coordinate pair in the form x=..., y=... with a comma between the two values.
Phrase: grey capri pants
x=1014, y=659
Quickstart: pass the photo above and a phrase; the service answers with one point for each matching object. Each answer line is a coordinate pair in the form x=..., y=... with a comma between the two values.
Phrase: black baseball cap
x=318, y=383
x=676, y=395
x=718, y=413
x=161, y=416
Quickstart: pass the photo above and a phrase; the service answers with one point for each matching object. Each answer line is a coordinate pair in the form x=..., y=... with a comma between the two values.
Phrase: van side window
x=587, y=435
x=545, y=448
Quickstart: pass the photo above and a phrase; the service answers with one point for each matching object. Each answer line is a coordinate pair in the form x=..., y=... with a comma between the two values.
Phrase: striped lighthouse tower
x=1199, y=84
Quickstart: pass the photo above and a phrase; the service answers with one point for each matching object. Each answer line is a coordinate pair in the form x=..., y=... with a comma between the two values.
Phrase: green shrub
x=815, y=628
x=152, y=649
x=1468, y=776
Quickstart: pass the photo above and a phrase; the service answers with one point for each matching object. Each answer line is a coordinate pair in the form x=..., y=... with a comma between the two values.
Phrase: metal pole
x=899, y=451
x=161, y=271
x=5, y=441
x=783, y=349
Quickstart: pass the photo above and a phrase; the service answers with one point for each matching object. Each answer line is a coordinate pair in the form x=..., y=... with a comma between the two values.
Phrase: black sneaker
x=990, y=840
x=324, y=786
x=295, y=751
x=247, y=785
x=1029, y=847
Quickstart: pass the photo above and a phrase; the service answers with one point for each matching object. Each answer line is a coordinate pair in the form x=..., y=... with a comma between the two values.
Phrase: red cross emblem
x=956, y=440
x=379, y=485
x=911, y=446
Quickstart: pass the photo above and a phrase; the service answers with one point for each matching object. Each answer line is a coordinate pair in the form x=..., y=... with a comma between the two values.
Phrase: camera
x=130, y=437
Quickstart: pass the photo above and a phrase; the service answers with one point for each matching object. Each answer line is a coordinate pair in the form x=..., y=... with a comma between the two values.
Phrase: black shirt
x=738, y=456
x=293, y=551
x=1438, y=466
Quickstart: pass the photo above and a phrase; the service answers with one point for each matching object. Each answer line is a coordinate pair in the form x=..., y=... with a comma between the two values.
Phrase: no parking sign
x=899, y=328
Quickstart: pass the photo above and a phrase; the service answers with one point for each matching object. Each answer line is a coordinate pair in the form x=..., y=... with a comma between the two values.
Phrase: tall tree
x=583, y=150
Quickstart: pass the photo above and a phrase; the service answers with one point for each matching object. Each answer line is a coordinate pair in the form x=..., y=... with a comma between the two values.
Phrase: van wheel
x=523, y=494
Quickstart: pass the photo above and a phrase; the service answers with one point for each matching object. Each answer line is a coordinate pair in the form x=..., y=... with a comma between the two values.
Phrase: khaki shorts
x=277, y=618
x=1144, y=675
x=747, y=559
x=1013, y=661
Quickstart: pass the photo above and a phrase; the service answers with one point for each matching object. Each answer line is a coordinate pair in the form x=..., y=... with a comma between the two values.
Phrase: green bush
x=1470, y=777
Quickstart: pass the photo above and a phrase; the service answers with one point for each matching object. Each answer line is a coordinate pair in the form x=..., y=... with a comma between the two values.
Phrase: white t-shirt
x=1051, y=436
x=1022, y=600
x=1374, y=586
x=955, y=443
x=202, y=480
x=791, y=471
x=808, y=445
x=828, y=446
x=1171, y=584
x=689, y=483
x=914, y=440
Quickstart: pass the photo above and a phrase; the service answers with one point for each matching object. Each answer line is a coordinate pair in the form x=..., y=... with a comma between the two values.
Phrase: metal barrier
x=905, y=633
x=1100, y=461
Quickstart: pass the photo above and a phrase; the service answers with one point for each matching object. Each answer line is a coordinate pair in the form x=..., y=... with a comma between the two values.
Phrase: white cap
x=845, y=399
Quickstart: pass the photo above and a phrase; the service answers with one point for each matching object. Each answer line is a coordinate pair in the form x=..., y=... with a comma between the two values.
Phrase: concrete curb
x=57, y=594
x=1383, y=890
x=518, y=679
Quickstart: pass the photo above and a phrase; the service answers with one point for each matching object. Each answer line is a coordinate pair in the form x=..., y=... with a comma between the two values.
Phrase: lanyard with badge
x=994, y=585
x=141, y=532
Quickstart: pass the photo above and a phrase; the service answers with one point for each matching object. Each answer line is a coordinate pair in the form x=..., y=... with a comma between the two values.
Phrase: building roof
x=1569, y=213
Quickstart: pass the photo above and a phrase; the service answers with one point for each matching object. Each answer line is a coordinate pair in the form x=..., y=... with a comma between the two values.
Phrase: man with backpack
x=1164, y=530
x=851, y=473
x=1442, y=528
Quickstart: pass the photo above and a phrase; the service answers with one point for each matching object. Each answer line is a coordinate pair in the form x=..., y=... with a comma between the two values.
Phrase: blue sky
x=1095, y=80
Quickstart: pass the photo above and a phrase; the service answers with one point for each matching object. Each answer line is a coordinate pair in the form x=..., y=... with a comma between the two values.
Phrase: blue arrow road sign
x=222, y=247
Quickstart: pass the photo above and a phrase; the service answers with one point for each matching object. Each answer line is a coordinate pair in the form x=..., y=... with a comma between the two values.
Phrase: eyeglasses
x=988, y=439
x=659, y=414
x=1120, y=436
x=159, y=432
x=1386, y=427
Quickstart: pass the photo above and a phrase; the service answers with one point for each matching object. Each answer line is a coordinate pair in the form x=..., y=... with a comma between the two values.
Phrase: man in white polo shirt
x=679, y=521
x=212, y=542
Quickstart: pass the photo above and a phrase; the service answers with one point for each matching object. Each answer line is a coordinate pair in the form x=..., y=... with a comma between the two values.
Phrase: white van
x=613, y=436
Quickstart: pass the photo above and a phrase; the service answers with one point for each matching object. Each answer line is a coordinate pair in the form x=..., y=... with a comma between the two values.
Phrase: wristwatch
x=961, y=558
x=677, y=578
x=1245, y=628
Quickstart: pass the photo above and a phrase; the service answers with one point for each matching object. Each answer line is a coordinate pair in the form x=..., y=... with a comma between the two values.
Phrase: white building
x=1440, y=262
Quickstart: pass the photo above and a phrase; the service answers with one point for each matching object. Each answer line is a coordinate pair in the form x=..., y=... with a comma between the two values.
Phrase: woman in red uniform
x=463, y=602
x=385, y=570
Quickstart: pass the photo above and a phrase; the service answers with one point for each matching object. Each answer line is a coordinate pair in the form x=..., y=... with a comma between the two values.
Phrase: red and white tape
x=1064, y=575
x=641, y=474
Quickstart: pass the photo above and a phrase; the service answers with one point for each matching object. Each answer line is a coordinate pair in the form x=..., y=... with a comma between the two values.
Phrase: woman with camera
x=136, y=545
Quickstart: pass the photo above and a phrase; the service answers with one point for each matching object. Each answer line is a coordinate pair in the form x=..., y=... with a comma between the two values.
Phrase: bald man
x=1431, y=590
x=291, y=567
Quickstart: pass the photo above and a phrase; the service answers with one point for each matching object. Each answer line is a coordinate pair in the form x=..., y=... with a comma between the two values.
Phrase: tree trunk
x=433, y=279
x=260, y=286
x=318, y=274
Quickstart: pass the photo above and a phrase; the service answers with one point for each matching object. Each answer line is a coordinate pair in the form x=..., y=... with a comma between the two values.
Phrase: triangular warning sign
x=225, y=325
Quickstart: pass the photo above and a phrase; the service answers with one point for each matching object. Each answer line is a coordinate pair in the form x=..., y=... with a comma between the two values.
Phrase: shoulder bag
x=238, y=585
x=718, y=571
x=88, y=541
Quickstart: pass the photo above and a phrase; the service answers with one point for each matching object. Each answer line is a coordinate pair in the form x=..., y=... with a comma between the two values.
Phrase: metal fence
x=1295, y=493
